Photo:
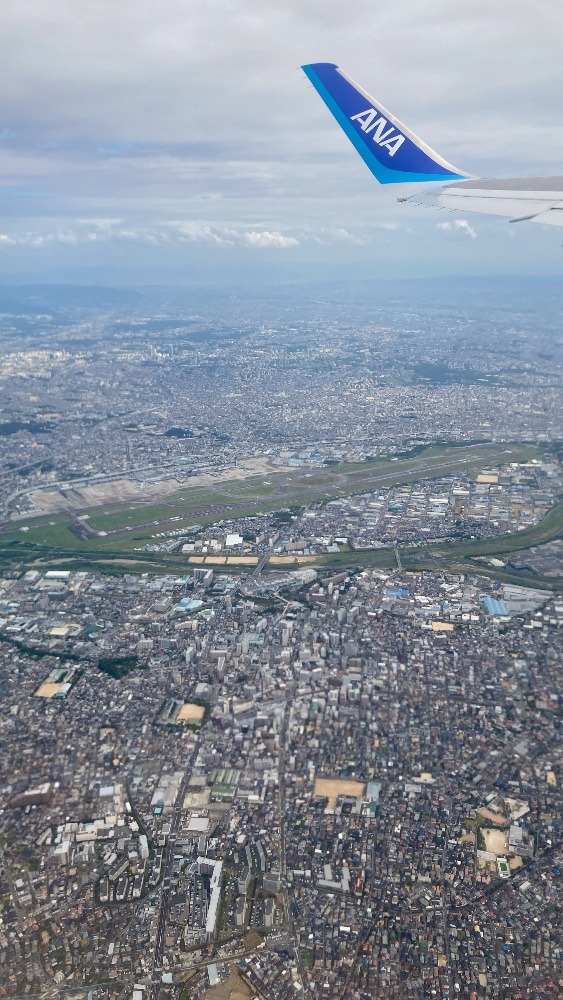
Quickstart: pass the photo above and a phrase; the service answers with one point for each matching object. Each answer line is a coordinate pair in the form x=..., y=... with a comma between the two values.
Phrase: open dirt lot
x=331, y=788
x=191, y=713
x=48, y=690
x=117, y=491
x=495, y=841
x=197, y=800
x=234, y=989
x=242, y=560
x=288, y=560
x=84, y=495
x=494, y=817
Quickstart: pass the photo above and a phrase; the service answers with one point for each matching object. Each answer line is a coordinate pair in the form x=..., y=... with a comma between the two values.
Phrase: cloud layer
x=89, y=231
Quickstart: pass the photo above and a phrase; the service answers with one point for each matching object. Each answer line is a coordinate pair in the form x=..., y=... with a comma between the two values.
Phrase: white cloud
x=336, y=235
x=392, y=227
x=461, y=225
x=465, y=227
x=222, y=236
x=101, y=225
x=269, y=239
x=31, y=239
x=108, y=230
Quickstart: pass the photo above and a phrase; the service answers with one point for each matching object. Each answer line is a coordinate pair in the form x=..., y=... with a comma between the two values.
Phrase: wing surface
x=407, y=166
x=531, y=199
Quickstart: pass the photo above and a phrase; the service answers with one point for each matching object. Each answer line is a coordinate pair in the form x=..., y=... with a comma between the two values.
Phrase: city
x=280, y=612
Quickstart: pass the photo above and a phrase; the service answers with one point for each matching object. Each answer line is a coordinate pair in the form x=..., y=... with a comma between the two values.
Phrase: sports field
x=48, y=690
x=495, y=841
x=191, y=713
x=332, y=788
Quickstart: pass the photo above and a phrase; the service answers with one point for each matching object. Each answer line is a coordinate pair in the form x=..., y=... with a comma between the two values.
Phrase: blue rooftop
x=188, y=604
x=494, y=607
x=397, y=592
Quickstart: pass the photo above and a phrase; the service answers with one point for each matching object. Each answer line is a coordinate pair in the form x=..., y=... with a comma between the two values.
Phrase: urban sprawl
x=274, y=726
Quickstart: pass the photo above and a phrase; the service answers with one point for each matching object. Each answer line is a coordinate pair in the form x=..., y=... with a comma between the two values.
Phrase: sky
x=178, y=139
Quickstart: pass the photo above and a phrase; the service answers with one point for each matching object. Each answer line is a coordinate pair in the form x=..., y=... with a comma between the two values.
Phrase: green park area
x=110, y=538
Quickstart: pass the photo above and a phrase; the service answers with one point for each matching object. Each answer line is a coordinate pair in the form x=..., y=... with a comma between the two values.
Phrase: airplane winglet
x=393, y=153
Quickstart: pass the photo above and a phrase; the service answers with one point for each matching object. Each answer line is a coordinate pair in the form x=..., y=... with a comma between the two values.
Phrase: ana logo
x=384, y=135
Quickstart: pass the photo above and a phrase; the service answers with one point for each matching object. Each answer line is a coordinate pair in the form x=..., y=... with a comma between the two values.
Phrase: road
x=282, y=757
x=164, y=908
x=57, y=990
x=448, y=803
x=261, y=565
x=20, y=913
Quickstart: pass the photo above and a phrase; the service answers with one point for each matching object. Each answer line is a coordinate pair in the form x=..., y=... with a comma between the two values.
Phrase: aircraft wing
x=409, y=167
x=531, y=199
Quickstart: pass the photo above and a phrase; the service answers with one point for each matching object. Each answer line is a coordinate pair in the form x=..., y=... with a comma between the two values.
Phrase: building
x=519, y=843
x=272, y=883
x=269, y=909
x=240, y=911
x=33, y=796
x=204, y=899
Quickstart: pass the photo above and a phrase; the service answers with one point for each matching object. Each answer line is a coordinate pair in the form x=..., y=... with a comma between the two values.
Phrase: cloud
x=30, y=239
x=166, y=233
x=464, y=225
x=101, y=225
x=332, y=237
x=461, y=225
x=339, y=236
x=142, y=113
x=223, y=236
x=269, y=239
x=392, y=227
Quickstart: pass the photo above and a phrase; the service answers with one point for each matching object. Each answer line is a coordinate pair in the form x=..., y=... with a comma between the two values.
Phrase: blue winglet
x=391, y=151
